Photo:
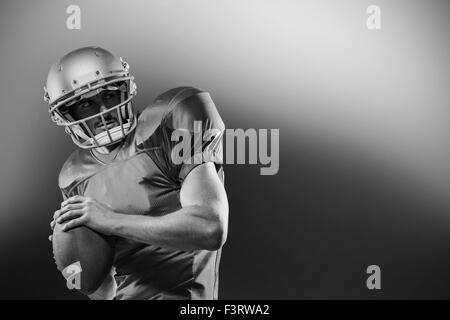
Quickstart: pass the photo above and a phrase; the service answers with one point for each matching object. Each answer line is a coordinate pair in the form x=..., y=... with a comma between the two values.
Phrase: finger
x=67, y=208
x=72, y=214
x=52, y=224
x=60, y=212
x=56, y=214
x=73, y=224
x=50, y=238
x=71, y=206
x=74, y=199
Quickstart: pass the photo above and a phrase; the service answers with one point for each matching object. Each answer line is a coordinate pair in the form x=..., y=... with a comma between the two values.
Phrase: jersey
x=143, y=180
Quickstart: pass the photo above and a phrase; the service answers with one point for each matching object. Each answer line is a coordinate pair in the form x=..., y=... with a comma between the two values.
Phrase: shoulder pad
x=194, y=105
x=151, y=117
x=78, y=166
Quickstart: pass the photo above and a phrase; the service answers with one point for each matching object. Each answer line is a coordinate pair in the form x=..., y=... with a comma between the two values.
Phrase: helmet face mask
x=92, y=74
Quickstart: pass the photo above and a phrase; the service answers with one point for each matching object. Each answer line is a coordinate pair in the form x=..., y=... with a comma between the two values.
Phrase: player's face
x=93, y=105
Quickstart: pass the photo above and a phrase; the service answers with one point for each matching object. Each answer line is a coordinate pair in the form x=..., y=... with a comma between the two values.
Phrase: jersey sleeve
x=74, y=171
x=193, y=133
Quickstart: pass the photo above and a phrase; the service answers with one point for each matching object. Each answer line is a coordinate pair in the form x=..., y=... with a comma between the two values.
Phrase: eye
x=109, y=95
x=63, y=109
x=86, y=104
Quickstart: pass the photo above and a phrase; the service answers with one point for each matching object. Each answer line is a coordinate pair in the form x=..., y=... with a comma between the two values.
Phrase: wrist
x=112, y=225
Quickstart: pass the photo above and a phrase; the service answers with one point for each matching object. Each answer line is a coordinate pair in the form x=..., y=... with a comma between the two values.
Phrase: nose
x=106, y=115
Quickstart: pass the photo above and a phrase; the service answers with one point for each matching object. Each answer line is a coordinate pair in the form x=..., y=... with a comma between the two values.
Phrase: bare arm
x=201, y=223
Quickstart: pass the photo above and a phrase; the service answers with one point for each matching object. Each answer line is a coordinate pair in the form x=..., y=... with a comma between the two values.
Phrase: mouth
x=99, y=127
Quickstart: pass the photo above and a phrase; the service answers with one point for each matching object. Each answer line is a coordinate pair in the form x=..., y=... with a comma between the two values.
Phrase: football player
x=168, y=220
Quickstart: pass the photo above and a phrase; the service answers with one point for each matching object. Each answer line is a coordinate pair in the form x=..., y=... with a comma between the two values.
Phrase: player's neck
x=106, y=154
x=108, y=149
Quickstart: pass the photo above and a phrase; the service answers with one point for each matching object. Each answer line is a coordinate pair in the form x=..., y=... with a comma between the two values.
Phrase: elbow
x=215, y=238
x=216, y=235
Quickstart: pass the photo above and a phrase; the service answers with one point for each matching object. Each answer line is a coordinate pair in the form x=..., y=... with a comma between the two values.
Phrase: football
x=82, y=248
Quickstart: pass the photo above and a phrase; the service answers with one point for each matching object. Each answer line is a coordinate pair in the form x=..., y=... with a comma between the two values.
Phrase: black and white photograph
x=252, y=150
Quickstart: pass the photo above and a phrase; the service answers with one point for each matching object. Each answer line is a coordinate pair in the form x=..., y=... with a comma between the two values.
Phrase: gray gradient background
x=364, y=136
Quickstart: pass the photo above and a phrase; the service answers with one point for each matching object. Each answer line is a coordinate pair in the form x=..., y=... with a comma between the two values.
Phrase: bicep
x=203, y=187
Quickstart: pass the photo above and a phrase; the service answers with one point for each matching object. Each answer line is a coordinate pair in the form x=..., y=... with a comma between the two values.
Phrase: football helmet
x=81, y=74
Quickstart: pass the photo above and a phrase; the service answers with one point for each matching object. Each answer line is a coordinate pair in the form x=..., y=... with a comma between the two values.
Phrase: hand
x=78, y=210
x=52, y=226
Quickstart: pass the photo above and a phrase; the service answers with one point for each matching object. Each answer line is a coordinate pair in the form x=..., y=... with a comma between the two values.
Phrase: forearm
x=190, y=228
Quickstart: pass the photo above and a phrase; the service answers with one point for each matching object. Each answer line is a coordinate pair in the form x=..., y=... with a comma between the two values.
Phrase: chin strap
x=115, y=133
